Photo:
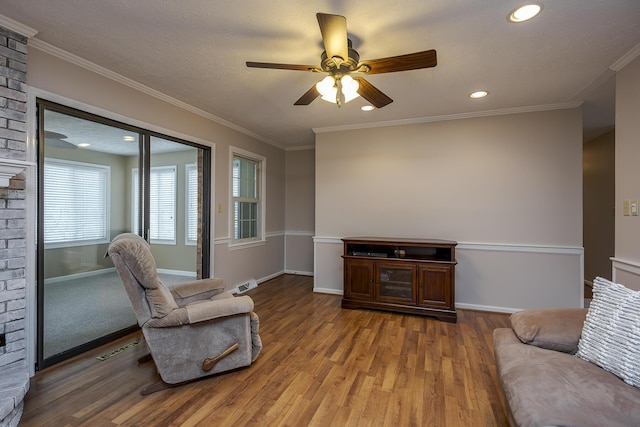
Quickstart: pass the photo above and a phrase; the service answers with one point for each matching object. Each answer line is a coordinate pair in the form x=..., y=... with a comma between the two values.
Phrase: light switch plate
x=634, y=207
x=626, y=207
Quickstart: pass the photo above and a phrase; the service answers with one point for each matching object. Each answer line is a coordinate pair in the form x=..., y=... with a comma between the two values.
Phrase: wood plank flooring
x=321, y=366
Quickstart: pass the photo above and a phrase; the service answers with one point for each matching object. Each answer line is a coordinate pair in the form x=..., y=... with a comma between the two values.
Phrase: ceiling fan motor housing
x=341, y=66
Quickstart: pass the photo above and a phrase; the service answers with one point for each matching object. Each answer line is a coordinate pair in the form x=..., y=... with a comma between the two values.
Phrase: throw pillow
x=611, y=331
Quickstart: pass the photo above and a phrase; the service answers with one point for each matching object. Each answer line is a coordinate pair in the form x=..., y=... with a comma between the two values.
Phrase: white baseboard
x=271, y=276
x=489, y=308
x=234, y=290
x=327, y=291
x=79, y=275
x=177, y=272
x=300, y=273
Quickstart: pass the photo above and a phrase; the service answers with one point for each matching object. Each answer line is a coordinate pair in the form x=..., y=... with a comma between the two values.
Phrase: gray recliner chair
x=192, y=329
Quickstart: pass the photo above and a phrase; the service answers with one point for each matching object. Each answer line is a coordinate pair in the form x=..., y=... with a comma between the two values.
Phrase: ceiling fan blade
x=334, y=35
x=372, y=93
x=308, y=96
x=283, y=66
x=410, y=61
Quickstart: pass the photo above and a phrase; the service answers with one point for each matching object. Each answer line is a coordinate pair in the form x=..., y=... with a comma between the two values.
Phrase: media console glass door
x=394, y=282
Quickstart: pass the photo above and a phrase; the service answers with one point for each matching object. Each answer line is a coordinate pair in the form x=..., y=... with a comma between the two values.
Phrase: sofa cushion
x=554, y=329
x=611, y=332
x=549, y=388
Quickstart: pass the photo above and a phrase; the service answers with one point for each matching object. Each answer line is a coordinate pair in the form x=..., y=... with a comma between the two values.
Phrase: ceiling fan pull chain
x=339, y=94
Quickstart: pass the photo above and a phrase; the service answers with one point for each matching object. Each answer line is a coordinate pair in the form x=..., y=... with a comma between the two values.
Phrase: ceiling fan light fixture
x=349, y=88
x=524, y=12
x=328, y=88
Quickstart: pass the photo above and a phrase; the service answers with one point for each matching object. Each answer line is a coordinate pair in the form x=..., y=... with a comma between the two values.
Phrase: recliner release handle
x=209, y=363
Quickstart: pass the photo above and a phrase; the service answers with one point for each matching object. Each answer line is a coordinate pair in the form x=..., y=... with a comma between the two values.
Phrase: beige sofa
x=546, y=384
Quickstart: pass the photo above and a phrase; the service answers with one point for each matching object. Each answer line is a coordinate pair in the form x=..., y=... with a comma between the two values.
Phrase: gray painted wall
x=508, y=188
x=626, y=266
x=300, y=210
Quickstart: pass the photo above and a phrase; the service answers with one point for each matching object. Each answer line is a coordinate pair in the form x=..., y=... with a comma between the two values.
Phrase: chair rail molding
x=483, y=280
x=619, y=264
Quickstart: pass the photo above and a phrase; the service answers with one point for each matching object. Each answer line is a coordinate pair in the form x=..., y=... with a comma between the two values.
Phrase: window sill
x=75, y=243
x=163, y=242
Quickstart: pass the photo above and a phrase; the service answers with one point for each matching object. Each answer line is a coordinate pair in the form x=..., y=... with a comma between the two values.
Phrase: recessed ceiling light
x=83, y=144
x=478, y=94
x=129, y=138
x=524, y=13
x=367, y=108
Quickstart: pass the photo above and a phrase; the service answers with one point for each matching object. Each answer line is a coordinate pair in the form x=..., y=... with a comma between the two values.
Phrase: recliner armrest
x=208, y=310
x=197, y=290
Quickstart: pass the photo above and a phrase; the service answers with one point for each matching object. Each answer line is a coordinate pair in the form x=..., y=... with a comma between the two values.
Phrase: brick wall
x=13, y=127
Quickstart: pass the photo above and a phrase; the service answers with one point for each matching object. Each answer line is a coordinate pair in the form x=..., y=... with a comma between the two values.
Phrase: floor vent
x=244, y=287
x=117, y=351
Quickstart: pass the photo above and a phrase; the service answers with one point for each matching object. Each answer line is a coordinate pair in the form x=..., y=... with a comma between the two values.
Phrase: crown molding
x=301, y=148
x=17, y=27
x=459, y=116
x=626, y=58
x=81, y=62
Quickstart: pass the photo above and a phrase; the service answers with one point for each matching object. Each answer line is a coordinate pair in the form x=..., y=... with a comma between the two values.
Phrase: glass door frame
x=144, y=164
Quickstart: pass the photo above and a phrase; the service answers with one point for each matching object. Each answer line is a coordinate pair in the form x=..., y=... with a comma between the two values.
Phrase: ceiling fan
x=56, y=139
x=340, y=60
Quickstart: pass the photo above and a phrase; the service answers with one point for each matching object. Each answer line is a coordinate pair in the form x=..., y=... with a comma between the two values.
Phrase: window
x=246, y=191
x=162, y=204
x=191, y=203
x=76, y=203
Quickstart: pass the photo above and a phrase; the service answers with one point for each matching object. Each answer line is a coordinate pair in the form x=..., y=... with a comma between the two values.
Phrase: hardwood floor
x=321, y=365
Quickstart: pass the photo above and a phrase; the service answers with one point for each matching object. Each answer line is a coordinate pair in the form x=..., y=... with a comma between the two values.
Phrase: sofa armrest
x=196, y=290
x=208, y=310
x=556, y=329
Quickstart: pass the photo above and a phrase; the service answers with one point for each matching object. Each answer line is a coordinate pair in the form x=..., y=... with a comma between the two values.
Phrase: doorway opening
x=98, y=178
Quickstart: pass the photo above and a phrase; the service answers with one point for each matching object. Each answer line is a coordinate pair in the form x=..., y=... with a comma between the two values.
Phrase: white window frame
x=188, y=213
x=106, y=191
x=261, y=199
x=134, y=203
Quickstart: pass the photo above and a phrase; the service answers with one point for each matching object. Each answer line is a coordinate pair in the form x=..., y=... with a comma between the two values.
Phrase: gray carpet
x=81, y=310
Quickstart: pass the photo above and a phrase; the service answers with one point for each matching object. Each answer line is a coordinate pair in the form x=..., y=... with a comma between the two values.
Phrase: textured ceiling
x=195, y=51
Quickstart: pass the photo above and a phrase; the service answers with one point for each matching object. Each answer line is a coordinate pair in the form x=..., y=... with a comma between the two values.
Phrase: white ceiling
x=195, y=51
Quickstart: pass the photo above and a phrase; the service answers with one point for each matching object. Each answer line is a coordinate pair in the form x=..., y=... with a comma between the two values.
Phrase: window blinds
x=76, y=202
x=162, y=203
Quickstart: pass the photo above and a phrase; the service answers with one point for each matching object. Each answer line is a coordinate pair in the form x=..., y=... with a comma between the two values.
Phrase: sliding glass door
x=99, y=178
